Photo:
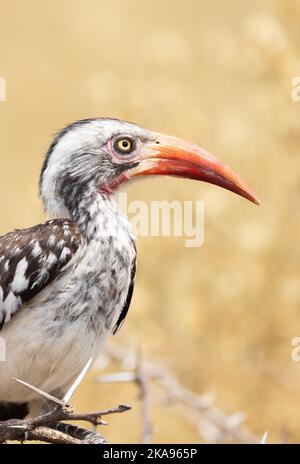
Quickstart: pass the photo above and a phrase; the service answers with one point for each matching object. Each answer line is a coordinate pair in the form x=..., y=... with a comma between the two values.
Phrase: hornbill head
x=99, y=155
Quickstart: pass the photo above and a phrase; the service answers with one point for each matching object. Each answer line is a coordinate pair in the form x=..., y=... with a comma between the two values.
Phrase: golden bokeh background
x=222, y=316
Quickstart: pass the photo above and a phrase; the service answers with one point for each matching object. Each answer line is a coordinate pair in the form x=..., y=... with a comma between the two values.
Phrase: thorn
x=40, y=392
x=264, y=438
x=26, y=435
x=102, y=422
x=235, y=420
x=22, y=427
x=117, y=377
x=78, y=380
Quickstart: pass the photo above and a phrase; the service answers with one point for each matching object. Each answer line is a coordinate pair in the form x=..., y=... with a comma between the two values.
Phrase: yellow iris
x=124, y=145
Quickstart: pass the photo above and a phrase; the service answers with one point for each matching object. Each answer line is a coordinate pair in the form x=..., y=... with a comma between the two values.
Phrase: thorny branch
x=49, y=427
x=139, y=376
x=212, y=424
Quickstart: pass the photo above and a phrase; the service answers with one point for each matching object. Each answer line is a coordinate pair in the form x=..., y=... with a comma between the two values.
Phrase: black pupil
x=124, y=145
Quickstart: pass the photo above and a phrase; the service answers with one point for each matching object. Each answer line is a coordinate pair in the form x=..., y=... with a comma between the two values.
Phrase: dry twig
x=212, y=424
x=140, y=378
x=49, y=427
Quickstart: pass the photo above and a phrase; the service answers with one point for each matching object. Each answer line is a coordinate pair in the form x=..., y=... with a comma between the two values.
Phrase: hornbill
x=67, y=283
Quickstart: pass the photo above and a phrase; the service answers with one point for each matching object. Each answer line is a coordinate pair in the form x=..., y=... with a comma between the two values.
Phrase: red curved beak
x=175, y=157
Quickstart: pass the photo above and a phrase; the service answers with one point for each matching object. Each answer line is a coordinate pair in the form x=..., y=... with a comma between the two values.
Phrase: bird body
x=67, y=322
x=67, y=283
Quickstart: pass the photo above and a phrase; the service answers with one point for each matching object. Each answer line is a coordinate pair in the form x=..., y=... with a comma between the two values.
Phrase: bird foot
x=80, y=433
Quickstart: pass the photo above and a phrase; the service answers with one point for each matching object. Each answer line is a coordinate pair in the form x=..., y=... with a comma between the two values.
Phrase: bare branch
x=142, y=382
x=49, y=426
x=93, y=417
x=117, y=377
x=212, y=424
x=140, y=378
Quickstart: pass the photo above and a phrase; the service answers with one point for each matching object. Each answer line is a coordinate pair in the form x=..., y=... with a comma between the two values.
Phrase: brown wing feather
x=32, y=258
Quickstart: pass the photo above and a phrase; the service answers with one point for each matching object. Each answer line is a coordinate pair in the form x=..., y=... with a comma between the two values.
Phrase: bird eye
x=124, y=145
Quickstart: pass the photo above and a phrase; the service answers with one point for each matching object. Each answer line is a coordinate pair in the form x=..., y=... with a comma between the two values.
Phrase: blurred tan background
x=222, y=316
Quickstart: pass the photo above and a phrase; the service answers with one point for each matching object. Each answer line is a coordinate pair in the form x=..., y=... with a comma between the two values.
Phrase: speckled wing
x=30, y=259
